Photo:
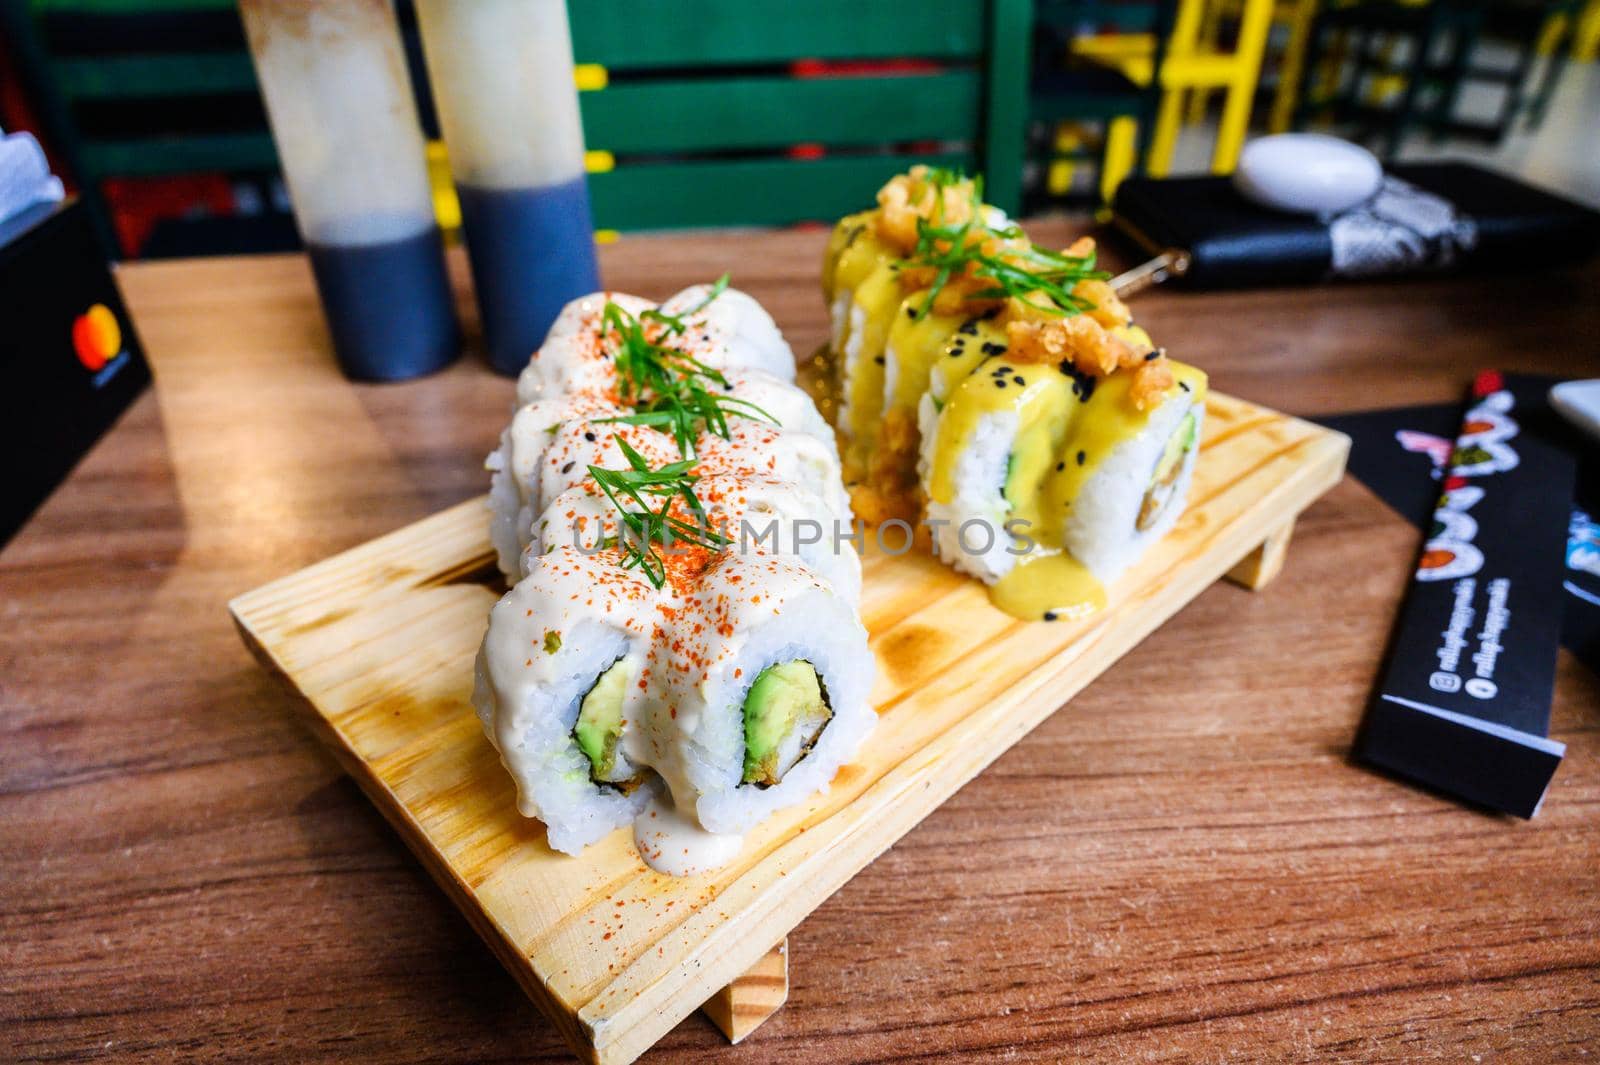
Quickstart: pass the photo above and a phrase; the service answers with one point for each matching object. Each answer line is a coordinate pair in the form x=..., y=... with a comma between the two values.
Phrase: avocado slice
x=600, y=720
x=784, y=713
x=1178, y=445
x=1165, y=477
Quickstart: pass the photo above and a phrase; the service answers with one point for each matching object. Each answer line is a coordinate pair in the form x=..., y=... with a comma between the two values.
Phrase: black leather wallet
x=1425, y=217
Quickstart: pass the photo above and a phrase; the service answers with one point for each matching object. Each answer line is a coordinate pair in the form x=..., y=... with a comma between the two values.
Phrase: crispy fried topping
x=912, y=196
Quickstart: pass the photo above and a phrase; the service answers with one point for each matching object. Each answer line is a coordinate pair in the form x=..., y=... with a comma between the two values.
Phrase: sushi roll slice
x=574, y=358
x=873, y=304
x=854, y=251
x=755, y=449
x=558, y=692
x=770, y=516
x=759, y=712
x=547, y=449
x=515, y=465
x=1047, y=481
x=787, y=404
x=927, y=354
x=730, y=330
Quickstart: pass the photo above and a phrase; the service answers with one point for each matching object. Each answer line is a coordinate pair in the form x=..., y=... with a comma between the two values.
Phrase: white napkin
x=25, y=177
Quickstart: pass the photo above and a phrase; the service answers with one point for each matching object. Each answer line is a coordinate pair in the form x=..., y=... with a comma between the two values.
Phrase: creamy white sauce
x=676, y=845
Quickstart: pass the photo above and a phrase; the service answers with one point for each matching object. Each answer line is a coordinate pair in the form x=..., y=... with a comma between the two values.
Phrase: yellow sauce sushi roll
x=1001, y=391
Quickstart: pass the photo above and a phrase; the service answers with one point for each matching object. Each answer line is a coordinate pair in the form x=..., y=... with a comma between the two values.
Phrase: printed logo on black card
x=1483, y=448
x=97, y=340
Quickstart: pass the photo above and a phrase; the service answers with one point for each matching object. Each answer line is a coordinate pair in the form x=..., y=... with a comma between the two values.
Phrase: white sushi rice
x=849, y=366
x=1101, y=529
x=839, y=318
x=969, y=531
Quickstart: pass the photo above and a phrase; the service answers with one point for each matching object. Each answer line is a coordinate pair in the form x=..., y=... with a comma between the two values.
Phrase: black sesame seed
x=1150, y=355
x=1049, y=615
x=1019, y=379
x=1060, y=466
x=991, y=348
x=969, y=327
x=1185, y=386
x=1000, y=382
x=1082, y=458
x=589, y=437
x=568, y=467
x=911, y=312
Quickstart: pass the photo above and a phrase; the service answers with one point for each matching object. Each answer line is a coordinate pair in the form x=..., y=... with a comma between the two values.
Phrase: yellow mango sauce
x=917, y=342
x=1061, y=437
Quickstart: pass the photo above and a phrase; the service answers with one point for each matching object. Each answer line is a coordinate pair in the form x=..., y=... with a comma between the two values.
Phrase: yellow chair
x=1585, y=33
x=1586, y=43
x=1296, y=17
x=1217, y=13
x=1190, y=66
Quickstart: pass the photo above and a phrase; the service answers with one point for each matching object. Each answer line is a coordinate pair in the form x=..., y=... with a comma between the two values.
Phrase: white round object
x=1579, y=403
x=1308, y=173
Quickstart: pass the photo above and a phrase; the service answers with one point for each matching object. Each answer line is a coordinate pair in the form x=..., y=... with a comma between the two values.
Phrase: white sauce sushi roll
x=764, y=696
x=558, y=696
x=733, y=331
x=587, y=677
x=552, y=444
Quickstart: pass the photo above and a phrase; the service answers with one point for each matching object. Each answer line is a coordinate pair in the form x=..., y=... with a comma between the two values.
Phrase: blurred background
x=724, y=113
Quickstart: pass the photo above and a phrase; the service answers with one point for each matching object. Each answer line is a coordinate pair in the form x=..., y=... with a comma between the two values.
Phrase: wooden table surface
x=1181, y=866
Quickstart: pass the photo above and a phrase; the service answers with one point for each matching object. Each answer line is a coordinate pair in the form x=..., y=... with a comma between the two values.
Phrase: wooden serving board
x=380, y=642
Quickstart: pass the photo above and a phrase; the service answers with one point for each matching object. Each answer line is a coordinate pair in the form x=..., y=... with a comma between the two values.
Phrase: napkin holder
x=70, y=361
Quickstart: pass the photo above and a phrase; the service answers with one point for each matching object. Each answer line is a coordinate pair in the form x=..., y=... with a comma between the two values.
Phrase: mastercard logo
x=96, y=337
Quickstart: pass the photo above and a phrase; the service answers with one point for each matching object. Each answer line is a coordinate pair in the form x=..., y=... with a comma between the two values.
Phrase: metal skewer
x=1174, y=262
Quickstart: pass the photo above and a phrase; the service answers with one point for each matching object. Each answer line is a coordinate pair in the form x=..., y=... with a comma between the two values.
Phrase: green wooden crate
x=702, y=110
x=748, y=192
